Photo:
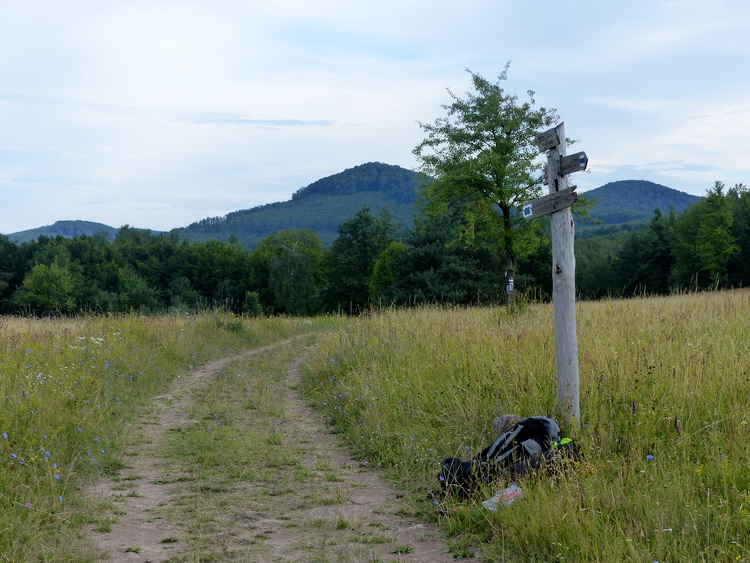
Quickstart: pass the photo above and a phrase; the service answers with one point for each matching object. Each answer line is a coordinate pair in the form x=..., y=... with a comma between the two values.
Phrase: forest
x=371, y=263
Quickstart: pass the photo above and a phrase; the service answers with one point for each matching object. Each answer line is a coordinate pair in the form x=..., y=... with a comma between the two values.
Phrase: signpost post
x=558, y=203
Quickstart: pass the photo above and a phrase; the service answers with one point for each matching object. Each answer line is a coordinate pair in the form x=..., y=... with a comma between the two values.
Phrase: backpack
x=522, y=449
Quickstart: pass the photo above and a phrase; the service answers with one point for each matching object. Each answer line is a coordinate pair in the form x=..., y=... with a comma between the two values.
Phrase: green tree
x=135, y=293
x=295, y=272
x=12, y=265
x=656, y=269
x=739, y=263
x=251, y=306
x=484, y=160
x=351, y=260
x=384, y=274
x=46, y=290
x=182, y=295
x=287, y=272
x=596, y=259
x=715, y=243
x=703, y=242
x=434, y=267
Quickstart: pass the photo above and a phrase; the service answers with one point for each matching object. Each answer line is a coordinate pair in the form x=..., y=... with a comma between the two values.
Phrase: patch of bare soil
x=365, y=524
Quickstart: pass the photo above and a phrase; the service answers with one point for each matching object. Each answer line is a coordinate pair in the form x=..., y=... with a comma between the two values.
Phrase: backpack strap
x=503, y=441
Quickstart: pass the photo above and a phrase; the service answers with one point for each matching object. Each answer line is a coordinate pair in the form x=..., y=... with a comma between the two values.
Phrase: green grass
x=664, y=386
x=67, y=388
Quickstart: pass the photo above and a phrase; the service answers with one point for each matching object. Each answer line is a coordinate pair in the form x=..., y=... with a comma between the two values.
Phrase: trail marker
x=549, y=203
x=574, y=163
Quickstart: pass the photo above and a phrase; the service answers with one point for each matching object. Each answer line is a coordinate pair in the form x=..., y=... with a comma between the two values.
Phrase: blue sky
x=158, y=113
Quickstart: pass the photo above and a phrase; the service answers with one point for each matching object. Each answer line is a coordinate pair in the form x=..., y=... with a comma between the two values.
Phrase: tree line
x=370, y=264
x=289, y=272
x=707, y=246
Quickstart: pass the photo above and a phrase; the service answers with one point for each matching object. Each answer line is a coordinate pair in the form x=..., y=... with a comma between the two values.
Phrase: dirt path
x=364, y=525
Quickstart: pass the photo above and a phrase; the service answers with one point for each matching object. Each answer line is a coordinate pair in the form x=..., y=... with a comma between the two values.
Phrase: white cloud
x=161, y=112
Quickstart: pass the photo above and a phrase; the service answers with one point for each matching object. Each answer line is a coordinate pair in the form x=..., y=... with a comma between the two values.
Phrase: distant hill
x=67, y=229
x=630, y=204
x=322, y=206
x=326, y=203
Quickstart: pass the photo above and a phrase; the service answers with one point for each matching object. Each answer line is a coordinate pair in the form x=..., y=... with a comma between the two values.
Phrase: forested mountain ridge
x=398, y=182
x=67, y=229
x=321, y=206
x=326, y=203
x=631, y=202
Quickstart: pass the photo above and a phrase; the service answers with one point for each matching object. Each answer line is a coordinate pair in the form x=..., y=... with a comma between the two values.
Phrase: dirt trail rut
x=364, y=527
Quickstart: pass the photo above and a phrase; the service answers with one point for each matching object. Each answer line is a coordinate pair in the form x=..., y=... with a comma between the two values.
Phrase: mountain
x=630, y=204
x=322, y=206
x=67, y=229
x=326, y=203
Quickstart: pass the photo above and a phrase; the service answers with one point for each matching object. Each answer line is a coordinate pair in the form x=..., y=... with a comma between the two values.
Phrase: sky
x=159, y=113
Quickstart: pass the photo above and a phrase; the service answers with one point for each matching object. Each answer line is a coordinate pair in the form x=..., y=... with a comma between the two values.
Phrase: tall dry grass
x=664, y=401
x=68, y=387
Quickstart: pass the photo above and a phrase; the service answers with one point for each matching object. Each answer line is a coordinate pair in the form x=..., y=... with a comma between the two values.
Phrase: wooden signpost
x=549, y=203
x=557, y=204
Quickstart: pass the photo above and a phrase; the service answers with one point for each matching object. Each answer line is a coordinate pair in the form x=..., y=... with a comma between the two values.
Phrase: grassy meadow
x=665, y=474
x=664, y=385
x=68, y=386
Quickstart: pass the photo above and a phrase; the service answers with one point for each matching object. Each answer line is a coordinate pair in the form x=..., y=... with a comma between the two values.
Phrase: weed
x=104, y=525
x=170, y=539
x=342, y=523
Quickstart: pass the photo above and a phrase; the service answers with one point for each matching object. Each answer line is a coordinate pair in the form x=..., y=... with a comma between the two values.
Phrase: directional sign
x=549, y=203
x=573, y=163
x=547, y=140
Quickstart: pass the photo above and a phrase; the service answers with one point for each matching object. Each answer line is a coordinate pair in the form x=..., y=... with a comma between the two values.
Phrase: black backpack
x=522, y=449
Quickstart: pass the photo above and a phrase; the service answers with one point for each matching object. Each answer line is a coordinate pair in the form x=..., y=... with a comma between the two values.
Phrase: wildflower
x=14, y=456
x=60, y=498
x=699, y=469
x=649, y=457
x=57, y=476
x=5, y=435
x=29, y=505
